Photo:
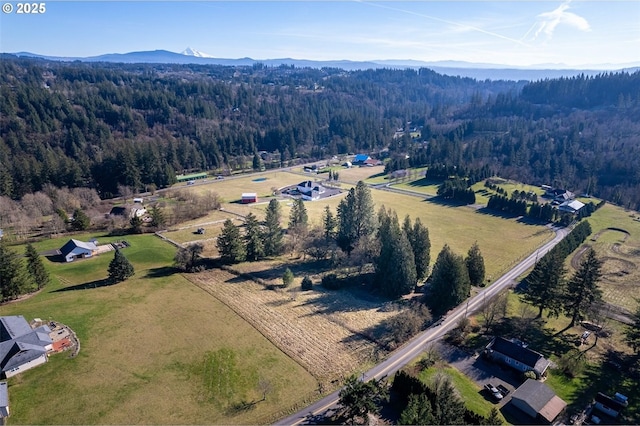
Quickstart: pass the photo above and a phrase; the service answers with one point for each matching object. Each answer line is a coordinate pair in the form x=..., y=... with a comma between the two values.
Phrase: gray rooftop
x=12, y=327
x=536, y=394
x=23, y=343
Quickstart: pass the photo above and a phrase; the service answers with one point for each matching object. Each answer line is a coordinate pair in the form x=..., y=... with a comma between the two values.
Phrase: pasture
x=141, y=341
x=458, y=226
x=616, y=240
x=332, y=334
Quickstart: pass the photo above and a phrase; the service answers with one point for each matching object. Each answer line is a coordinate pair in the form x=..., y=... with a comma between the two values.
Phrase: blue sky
x=520, y=33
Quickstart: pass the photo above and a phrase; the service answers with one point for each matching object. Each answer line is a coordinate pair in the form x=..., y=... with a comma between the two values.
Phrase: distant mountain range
x=479, y=71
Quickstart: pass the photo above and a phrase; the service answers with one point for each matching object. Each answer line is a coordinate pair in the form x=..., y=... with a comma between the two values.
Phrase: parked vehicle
x=504, y=391
x=494, y=392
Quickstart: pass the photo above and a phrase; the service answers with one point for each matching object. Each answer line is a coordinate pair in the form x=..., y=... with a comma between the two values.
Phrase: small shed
x=249, y=197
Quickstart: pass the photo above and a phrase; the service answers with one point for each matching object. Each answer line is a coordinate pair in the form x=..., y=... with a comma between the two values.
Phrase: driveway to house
x=481, y=370
x=415, y=346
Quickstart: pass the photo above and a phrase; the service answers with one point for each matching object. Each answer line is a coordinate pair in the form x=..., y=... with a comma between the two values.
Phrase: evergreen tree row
x=260, y=240
x=457, y=189
x=544, y=287
x=508, y=205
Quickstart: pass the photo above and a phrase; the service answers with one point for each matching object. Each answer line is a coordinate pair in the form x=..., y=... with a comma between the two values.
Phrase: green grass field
x=141, y=341
x=458, y=226
x=503, y=242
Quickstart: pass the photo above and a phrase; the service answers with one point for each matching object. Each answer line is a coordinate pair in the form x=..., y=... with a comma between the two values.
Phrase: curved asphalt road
x=419, y=343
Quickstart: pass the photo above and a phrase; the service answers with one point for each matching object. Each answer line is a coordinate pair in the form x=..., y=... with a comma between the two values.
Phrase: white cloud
x=548, y=21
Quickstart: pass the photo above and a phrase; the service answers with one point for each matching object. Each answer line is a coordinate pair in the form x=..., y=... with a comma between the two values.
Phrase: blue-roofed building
x=22, y=347
x=360, y=158
x=75, y=249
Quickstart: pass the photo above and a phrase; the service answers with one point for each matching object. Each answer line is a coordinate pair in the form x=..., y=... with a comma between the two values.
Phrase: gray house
x=517, y=356
x=76, y=249
x=538, y=401
x=22, y=347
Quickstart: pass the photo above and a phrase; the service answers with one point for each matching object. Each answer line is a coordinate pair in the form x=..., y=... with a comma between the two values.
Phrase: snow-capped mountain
x=193, y=52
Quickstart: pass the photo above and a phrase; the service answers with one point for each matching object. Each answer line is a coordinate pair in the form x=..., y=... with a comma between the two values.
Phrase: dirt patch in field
x=616, y=269
x=328, y=333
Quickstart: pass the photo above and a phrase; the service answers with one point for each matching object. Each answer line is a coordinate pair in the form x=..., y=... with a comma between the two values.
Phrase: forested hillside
x=101, y=125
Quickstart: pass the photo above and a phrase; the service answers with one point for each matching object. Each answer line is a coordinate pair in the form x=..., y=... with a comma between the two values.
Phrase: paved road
x=414, y=347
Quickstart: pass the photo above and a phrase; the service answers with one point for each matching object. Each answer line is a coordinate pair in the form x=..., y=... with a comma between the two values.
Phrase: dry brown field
x=331, y=334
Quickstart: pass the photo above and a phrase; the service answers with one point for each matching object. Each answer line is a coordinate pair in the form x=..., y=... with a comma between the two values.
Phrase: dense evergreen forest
x=103, y=125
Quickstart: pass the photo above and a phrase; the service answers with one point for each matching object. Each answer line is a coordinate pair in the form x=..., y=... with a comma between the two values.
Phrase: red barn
x=249, y=197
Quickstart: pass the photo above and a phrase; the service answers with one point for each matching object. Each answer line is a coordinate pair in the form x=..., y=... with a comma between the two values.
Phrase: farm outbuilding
x=76, y=249
x=538, y=401
x=249, y=197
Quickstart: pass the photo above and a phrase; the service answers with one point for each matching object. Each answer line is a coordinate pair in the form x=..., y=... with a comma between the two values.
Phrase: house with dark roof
x=22, y=347
x=76, y=249
x=560, y=195
x=538, y=401
x=517, y=356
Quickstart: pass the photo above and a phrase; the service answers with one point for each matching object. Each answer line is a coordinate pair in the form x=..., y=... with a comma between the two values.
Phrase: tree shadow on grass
x=161, y=272
x=87, y=286
x=425, y=182
x=445, y=202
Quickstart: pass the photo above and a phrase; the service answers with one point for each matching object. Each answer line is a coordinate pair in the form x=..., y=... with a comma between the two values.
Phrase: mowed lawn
x=140, y=341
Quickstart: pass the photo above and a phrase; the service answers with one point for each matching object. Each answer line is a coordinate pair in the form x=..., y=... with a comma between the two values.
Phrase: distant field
x=423, y=186
x=458, y=226
x=231, y=189
x=503, y=242
x=356, y=173
x=139, y=342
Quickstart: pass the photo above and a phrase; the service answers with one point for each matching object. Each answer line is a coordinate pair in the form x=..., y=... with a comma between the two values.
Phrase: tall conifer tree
x=35, y=267
x=450, y=283
x=582, y=288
